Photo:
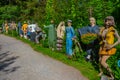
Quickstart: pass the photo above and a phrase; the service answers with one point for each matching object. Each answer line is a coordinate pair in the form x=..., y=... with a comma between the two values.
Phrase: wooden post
x=90, y=11
x=0, y=30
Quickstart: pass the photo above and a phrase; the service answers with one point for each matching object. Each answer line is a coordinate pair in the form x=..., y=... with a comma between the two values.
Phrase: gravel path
x=18, y=61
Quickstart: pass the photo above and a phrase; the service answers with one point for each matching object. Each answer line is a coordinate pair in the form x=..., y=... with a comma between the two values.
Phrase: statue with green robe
x=51, y=35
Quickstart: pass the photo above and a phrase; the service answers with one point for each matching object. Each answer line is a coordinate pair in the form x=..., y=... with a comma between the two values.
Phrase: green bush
x=113, y=63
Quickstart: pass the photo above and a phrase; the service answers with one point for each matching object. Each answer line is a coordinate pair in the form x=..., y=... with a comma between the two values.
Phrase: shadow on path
x=6, y=60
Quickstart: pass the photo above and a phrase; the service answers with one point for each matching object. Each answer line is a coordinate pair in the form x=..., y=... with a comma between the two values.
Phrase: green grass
x=86, y=68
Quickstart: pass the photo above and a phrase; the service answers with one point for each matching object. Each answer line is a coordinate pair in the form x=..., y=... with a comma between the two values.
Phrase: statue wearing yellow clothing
x=107, y=39
x=6, y=27
x=107, y=45
x=24, y=28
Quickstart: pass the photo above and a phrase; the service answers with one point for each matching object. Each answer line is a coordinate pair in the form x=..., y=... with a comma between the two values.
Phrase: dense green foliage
x=78, y=11
x=42, y=11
